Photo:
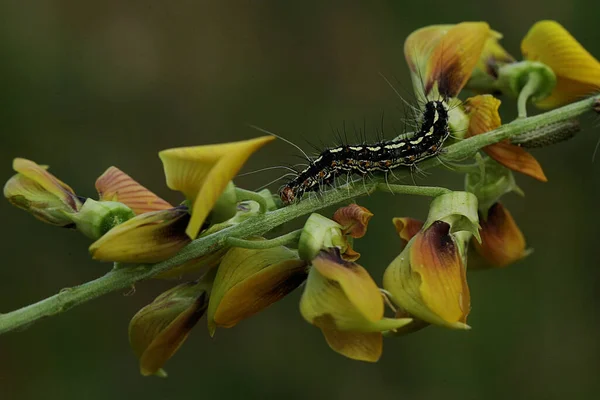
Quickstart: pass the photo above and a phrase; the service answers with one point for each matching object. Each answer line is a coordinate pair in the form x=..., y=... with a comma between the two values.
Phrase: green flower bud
x=320, y=233
x=98, y=217
x=513, y=77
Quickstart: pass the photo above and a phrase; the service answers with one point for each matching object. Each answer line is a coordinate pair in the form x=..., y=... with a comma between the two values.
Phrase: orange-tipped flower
x=442, y=57
x=484, y=117
x=577, y=71
x=502, y=242
x=40, y=193
x=428, y=279
x=342, y=299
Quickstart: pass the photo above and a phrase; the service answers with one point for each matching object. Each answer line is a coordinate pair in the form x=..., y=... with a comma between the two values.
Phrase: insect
x=383, y=156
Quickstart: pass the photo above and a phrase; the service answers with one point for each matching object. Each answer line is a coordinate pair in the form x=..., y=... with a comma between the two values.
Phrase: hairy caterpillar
x=383, y=156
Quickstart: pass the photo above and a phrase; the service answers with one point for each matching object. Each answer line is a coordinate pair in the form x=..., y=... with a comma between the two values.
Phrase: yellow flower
x=40, y=193
x=249, y=280
x=484, y=117
x=147, y=238
x=441, y=58
x=202, y=173
x=577, y=71
x=502, y=242
x=342, y=299
x=428, y=279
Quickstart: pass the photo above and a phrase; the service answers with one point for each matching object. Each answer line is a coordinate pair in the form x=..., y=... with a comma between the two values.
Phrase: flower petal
x=158, y=330
x=250, y=280
x=346, y=293
x=428, y=279
x=484, y=117
x=448, y=53
x=502, y=242
x=362, y=346
x=577, y=71
x=202, y=173
x=407, y=227
x=436, y=258
x=354, y=220
x=115, y=185
x=147, y=238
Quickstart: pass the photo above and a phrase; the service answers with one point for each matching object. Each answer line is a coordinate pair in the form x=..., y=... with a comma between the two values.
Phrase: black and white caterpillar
x=383, y=156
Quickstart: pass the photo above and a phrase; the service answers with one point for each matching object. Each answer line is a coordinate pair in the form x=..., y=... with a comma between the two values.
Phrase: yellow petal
x=353, y=219
x=115, y=185
x=442, y=57
x=493, y=54
x=249, y=280
x=577, y=71
x=346, y=293
x=147, y=238
x=158, y=330
x=484, y=117
x=201, y=173
x=362, y=346
x=502, y=242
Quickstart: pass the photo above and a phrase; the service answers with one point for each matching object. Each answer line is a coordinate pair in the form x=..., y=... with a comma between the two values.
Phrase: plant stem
x=265, y=244
x=530, y=88
x=123, y=278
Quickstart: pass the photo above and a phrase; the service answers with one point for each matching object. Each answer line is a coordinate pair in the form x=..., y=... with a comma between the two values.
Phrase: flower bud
x=95, y=218
x=40, y=193
x=320, y=233
x=249, y=280
x=146, y=238
x=158, y=330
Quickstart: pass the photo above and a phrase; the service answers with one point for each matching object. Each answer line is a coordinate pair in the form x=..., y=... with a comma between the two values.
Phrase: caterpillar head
x=287, y=195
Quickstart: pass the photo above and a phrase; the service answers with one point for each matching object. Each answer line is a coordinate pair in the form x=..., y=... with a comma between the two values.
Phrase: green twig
x=124, y=278
x=265, y=244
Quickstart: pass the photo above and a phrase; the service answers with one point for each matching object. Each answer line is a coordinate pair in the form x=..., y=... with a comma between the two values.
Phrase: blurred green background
x=85, y=85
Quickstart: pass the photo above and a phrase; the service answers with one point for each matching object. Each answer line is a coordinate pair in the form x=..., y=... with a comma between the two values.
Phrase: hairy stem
x=124, y=278
x=288, y=238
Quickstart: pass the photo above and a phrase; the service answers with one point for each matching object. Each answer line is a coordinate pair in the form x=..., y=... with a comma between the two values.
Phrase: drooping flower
x=158, y=330
x=428, y=278
x=502, y=242
x=482, y=111
x=577, y=71
x=40, y=193
x=249, y=280
x=342, y=299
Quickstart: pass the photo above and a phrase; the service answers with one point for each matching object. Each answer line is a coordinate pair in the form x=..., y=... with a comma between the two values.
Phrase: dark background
x=85, y=85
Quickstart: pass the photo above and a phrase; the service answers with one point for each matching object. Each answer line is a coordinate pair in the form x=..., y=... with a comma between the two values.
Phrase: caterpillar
x=383, y=156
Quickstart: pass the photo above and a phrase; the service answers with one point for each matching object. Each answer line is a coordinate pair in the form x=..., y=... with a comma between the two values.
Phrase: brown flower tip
x=354, y=220
x=407, y=228
x=502, y=242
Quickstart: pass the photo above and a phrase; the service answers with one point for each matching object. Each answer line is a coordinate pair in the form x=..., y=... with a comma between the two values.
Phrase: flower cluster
x=425, y=284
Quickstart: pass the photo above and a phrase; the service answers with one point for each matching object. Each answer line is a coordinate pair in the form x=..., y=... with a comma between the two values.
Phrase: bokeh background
x=85, y=85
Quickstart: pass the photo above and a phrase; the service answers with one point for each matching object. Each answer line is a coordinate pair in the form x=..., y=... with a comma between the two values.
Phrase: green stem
x=530, y=88
x=243, y=195
x=124, y=278
x=429, y=191
x=265, y=244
